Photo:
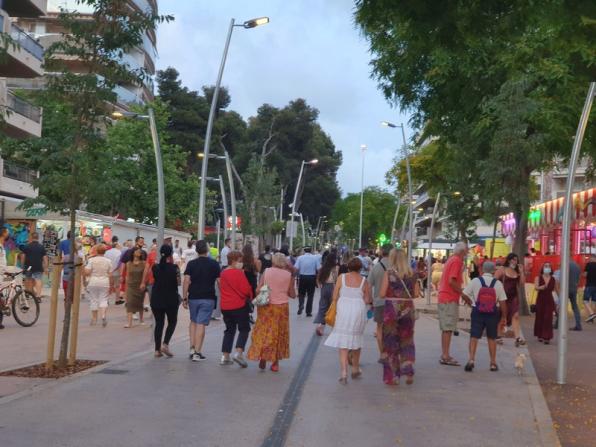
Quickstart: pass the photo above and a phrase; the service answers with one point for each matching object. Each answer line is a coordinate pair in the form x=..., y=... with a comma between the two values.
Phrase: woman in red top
x=236, y=292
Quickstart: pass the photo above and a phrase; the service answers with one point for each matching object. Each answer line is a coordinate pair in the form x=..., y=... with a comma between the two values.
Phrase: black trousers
x=306, y=287
x=160, y=317
x=235, y=319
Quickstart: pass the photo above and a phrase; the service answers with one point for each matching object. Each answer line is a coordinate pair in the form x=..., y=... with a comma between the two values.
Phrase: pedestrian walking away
x=375, y=280
x=251, y=266
x=574, y=275
x=307, y=266
x=513, y=279
x=488, y=300
x=135, y=295
x=351, y=294
x=399, y=288
x=590, y=289
x=326, y=280
x=100, y=285
x=236, y=295
x=545, y=284
x=450, y=289
x=271, y=334
x=164, y=299
x=114, y=253
x=35, y=262
x=198, y=292
x=265, y=259
x=223, y=256
x=365, y=260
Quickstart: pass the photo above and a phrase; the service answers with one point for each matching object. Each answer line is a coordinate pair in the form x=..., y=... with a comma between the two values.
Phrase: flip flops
x=450, y=362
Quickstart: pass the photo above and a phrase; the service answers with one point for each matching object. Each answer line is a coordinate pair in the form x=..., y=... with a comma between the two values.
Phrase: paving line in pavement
x=285, y=413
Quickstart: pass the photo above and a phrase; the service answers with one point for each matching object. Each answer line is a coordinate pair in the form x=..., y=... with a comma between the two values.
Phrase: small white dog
x=520, y=363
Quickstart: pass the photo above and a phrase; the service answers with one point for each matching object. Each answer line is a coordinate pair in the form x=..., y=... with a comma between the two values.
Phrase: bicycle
x=24, y=304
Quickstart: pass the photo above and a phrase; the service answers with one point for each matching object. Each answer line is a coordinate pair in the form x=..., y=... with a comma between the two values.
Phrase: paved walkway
x=155, y=402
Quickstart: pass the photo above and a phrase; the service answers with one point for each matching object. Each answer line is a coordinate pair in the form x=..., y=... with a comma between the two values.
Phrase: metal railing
x=22, y=107
x=14, y=171
x=26, y=42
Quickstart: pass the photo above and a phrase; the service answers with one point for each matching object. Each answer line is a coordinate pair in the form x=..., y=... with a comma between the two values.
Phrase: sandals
x=166, y=350
x=520, y=342
x=469, y=367
x=343, y=380
x=409, y=380
x=357, y=374
x=262, y=364
x=449, y=361
x=274, y=367
x=494, y=367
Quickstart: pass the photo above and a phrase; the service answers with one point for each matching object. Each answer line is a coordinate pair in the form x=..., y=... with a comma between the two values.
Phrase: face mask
x=547, y=270
x=239, y=265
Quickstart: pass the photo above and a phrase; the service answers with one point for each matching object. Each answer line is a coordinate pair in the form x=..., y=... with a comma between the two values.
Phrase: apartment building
x=47, y=30
x=20, y=119
x=552, y=183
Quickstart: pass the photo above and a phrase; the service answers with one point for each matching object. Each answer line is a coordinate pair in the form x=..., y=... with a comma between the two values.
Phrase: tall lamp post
x=311, y=162
x=565, y=245
x=248, y=24
x=228, y=160
x=410, y=194
x=161, y=194
x=363, y=149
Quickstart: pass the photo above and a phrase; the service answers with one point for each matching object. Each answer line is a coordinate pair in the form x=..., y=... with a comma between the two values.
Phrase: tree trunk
x=520, y=248
x=69, y=292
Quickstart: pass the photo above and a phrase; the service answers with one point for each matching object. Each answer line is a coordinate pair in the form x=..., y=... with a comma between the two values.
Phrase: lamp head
x=253, y=23
x=388, y=124
x=314, y=161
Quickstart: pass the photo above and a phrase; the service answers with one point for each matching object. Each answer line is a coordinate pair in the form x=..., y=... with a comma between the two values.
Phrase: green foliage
x=378, y=209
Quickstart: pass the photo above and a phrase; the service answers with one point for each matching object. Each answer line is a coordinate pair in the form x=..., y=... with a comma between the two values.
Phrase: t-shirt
x=114, y=255
x=189, y=254
x=64, y=247
x=223, y=258
x=453, y=269
x=101, y=269
x=266, y=261
x=34, y=253
x=375, y=279
x=574, y=275
x=203, y=273
x=474, y=286
x=590, y=274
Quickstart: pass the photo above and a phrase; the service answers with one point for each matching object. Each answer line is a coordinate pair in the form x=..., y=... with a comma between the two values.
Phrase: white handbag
x=262, y=298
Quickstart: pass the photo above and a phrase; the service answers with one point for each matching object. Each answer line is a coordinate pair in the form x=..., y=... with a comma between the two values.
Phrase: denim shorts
x=34, y=275
x=590, y=294
x=481, y=321
x=201, y=311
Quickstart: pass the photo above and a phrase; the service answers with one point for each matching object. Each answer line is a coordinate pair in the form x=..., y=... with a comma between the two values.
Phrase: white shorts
x=98, y=296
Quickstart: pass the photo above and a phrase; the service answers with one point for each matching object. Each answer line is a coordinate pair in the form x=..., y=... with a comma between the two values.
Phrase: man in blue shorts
x=198, y=292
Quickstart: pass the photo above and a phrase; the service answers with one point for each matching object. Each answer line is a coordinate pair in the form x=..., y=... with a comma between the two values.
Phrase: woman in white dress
x=352, y=293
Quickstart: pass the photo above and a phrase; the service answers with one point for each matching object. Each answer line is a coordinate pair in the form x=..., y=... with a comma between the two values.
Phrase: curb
x=57, y=382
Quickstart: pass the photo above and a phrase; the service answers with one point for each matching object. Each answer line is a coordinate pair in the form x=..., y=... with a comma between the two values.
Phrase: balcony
x=25, y=8
x=24, y=58
x=21, y=118
x=16, y=180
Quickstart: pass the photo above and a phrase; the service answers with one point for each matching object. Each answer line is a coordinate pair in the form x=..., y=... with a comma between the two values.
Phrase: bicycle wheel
x=25, y=308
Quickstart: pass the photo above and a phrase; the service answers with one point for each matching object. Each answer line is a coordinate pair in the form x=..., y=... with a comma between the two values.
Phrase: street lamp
x=410, y=194
x=247, y=25
x=363, y=149
x=223, y=199
x=161, y=194
x=228, y=160
x=314, y=161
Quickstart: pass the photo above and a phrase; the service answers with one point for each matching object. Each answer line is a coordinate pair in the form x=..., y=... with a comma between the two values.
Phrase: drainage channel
x=285, y=413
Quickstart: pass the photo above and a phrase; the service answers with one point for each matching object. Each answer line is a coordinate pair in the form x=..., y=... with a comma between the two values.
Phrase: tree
x=378, y=209
x=76, y=107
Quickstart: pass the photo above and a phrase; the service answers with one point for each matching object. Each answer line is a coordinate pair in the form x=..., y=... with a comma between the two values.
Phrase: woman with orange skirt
x=271, y=333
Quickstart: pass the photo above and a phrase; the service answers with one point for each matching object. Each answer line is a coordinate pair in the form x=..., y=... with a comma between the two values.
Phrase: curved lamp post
x=253, y=23
x=311, y=162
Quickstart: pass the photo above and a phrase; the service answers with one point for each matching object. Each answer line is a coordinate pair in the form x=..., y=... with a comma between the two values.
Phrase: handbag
x=262, y=298
x=331, y=314
x=416, y=311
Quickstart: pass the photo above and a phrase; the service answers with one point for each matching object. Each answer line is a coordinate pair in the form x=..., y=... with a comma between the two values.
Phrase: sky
x=311, y=49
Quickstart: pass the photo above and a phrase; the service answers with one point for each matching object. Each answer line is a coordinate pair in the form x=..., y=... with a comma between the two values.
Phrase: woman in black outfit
x=165, y=299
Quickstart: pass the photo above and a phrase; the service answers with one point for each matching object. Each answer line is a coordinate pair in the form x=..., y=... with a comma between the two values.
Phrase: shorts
x=481, y=321
x=34, y=275
x=448, y=316
x=201, y=311
x=590, y=294
x=98, y=296
x=379, y=312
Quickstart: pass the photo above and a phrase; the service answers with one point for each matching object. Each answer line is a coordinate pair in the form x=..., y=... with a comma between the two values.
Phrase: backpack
x=486, y=302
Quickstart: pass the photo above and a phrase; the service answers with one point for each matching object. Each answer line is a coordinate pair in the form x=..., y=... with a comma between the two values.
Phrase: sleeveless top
x=355, y=293
x=396, y=285
x=510, y=286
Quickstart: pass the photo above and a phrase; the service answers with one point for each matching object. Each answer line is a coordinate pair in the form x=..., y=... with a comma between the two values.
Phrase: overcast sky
x=311, y=49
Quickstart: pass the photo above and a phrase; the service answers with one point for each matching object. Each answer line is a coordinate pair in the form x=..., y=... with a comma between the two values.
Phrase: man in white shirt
x=307, y=266
x=114, y=254
x=188, y=254
x=366, y=262
x=223, y=257
x=486, y=296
